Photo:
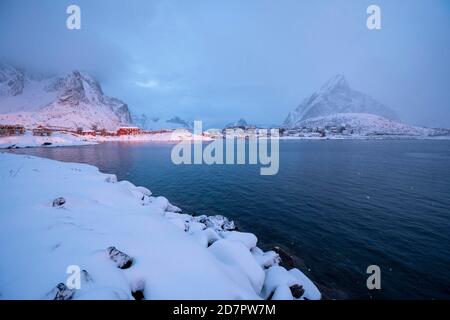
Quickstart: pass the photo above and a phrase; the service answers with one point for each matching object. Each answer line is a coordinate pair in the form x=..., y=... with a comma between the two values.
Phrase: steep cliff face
x=73, y=101
x=159, y=123
x=11, y=81
x=336, y=96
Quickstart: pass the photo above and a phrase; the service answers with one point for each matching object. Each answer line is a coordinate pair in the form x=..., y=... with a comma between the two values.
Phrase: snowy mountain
x=160, y=123
x=241, y=123
x=11, y=81
x=73, y=101
x=336, y=96
x=365, y=124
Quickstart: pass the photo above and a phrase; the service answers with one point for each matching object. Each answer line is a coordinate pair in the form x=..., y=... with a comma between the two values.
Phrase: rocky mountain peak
x=72, y=101
x=78, y=87
x=337, y=82
x=72, y=90
x=11, y=80
x=242, y=123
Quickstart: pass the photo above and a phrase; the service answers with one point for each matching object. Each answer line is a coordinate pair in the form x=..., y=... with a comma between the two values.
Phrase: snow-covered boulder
x=300, y=285
x=266, y=259
x=122, y=260
x=61, y=292
x=247, y=239
x=236, y=255
x=217, y=222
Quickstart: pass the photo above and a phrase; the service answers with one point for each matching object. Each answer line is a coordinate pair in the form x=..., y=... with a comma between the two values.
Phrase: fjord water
x=337, y=206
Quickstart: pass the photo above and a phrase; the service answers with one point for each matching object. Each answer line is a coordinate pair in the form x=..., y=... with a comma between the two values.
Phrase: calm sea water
x=337, y=206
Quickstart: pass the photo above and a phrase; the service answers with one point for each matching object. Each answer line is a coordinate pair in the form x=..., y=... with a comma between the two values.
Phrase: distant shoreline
x=69, y=140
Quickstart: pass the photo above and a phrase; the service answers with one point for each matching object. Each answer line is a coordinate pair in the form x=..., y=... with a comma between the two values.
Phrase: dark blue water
x=337, y=206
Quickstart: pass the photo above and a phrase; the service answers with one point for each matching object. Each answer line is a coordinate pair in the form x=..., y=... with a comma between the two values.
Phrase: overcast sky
x=218, y=61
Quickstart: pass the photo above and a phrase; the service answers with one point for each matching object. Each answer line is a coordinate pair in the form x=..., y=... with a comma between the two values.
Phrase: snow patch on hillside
x=365, y=124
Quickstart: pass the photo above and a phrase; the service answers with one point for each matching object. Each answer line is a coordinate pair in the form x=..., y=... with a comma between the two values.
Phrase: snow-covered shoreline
x=56, y=140
x=362, y=137
x=63, y=139
x=69, y=140
x=103, y=225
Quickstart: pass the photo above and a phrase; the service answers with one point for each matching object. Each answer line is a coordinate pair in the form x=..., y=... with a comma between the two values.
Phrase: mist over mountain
x=186, y=60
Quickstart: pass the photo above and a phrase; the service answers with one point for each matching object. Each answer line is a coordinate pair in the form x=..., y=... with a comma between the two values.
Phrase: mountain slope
x=161, y=123
x=73, y=101
x=242, y=123
x=365, y=124
x=336, y=96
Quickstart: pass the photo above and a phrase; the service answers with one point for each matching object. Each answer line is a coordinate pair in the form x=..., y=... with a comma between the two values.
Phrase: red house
x=89, y=133
x=123, y=131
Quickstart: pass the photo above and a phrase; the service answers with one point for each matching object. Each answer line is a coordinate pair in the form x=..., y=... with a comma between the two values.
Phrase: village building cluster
x=11, y=130
x=46, y=131
x=344, y=130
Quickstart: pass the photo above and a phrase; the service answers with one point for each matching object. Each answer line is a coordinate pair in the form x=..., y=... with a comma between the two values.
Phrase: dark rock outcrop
x=286, y=260
x=122, y=260
x=59, y=202
x=86, y=277
x=297, y=291
x=62, y=292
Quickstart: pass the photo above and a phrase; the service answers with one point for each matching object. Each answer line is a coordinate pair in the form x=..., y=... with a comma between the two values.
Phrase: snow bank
x=278, y=278
x=61, y=139
x=56, y=140
x=128, y=243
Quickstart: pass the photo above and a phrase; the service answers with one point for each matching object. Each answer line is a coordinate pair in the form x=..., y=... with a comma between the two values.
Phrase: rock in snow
x=122, y=260
x=61, y=292
x=174, y=255
x=285, y=259
x=59, y=202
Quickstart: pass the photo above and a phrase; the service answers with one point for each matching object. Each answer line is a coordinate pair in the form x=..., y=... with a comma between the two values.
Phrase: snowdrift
x=128, y=243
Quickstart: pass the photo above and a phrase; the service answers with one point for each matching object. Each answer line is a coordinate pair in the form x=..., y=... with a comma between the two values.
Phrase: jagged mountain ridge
x=147, y=122
x=11, y=81
x=241, y=123
x=73, y=101
x=334, y=97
